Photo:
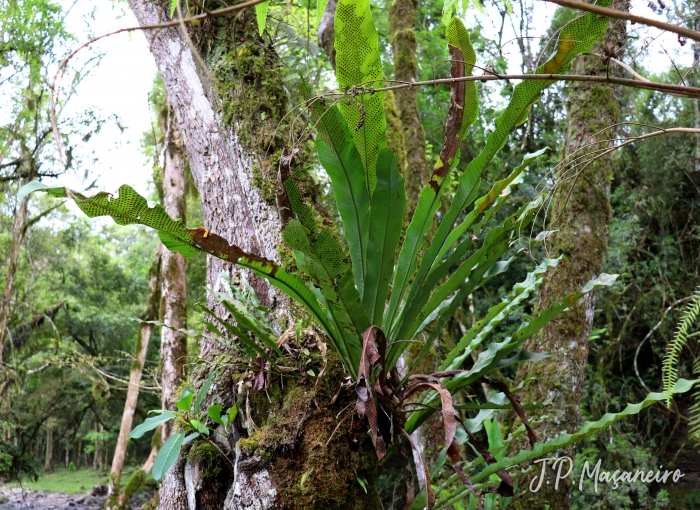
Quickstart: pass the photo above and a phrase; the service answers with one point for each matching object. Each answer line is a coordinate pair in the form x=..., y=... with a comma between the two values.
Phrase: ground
x=69, y=489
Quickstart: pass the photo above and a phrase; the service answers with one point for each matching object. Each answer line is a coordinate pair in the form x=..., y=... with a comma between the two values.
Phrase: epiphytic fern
x=680, y=339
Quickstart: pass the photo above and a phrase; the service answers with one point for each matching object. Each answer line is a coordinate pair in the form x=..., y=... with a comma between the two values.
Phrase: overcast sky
x=121, y=84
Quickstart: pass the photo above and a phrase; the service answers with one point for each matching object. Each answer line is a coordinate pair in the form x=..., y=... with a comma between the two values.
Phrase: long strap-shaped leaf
x=494, y=357
x=496, y=314
x=386, y=218
x=575, y=38
x=563, y=440
x=341, y=160
x=357, y=62
x=487, y=255
x=430, y=197
x=324, y=260
x=130, y=208
x=498, y=193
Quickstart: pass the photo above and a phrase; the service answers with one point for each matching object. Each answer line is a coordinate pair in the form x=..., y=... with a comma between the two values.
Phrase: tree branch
x=612, y=13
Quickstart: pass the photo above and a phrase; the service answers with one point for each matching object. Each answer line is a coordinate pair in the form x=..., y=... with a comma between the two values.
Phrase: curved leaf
x=590, y=428
x=131, y=208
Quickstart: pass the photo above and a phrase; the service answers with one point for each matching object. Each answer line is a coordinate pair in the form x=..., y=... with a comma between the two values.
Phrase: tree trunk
x=229, y=114
x=402, y=18
x=137, y=479
x=12, y=256
x=174, y=294
x=174, y=304
x=48, y=462
x=581, y=213
x=132, y=393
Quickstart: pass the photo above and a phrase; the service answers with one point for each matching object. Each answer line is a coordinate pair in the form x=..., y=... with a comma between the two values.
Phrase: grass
x=70, y=481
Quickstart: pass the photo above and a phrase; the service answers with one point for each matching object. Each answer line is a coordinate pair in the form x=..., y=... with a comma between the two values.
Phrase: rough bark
x=12, y=256
x=229, y=104
x=145, y=333
x=326, y=31
x=174, y=291
x=402, y=18
x=581, y=213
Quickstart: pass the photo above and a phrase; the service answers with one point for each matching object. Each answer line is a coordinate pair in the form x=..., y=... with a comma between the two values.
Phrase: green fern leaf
x=386, y=219
x=341, y=160
x=458, y=37
x=261, y=15
x=542, y=449
x=575, y=38
x=669, y=368
x=130, y=208
x=357, y=63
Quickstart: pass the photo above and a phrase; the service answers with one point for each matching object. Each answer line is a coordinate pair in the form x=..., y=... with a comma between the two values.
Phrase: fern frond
x=694, y=411
x=669, y=369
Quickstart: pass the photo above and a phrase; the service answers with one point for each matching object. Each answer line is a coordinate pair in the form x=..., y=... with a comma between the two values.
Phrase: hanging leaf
x=131, y=208
x=542, y=449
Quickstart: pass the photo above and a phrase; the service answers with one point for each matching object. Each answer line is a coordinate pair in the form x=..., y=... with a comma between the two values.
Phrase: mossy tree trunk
x=229, y=102
x=173, y=351
x=402, y=18
x=115, y=497
x=581, y=213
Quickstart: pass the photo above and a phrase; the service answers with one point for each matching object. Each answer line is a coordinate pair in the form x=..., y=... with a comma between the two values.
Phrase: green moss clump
x=208, y=459
x=135, y=483
x=294, y=436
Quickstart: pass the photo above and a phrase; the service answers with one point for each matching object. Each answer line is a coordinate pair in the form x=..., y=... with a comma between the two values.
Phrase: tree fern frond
x=669, y=369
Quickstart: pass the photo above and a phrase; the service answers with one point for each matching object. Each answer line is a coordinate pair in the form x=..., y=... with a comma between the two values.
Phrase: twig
x=160, y=26
x=612, y=13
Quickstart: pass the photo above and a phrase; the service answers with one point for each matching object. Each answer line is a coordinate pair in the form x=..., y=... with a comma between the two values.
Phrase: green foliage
x=357, y=63
x=261, y=15
x=167, y=455
x=541, y=449
x=680, y=339
x=364, y=282
x=193, y=420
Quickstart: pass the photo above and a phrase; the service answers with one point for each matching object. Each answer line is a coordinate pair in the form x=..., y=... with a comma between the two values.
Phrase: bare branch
x=612, y=13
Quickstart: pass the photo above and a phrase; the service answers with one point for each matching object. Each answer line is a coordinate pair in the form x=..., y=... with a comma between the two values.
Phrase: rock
x=99, y=490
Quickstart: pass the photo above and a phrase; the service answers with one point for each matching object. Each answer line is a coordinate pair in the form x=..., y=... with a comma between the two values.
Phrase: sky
x=121, y=83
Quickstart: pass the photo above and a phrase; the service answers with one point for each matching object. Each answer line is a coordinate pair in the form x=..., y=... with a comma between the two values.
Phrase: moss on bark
x=581, y=213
